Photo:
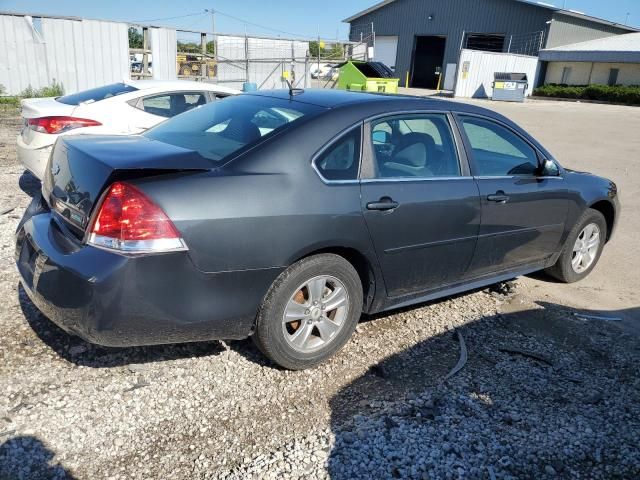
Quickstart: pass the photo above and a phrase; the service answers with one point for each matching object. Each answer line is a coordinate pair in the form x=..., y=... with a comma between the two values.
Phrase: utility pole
x=213, y=38
x=626, y=20
x=213, y=19
x=318, y=50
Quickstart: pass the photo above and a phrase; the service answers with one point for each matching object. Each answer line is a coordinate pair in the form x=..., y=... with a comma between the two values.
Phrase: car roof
x=330, y=98
x=180, y=85
x=338, y=101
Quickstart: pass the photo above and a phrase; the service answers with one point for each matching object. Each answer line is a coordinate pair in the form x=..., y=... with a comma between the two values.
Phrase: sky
x=285, y=18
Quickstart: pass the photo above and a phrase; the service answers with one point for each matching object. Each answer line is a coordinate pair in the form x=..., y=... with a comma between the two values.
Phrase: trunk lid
x=45, y=107
x=82, y=167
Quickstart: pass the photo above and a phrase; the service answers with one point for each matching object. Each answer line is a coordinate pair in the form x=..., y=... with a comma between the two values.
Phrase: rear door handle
x=498, y=197
x=384, y=204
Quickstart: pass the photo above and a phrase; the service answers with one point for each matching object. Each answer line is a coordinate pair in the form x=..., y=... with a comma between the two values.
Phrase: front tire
x=582, y=249
x=310, y=312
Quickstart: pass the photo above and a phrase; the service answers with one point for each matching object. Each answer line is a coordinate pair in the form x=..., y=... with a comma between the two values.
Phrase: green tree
x=337, y=51
x=313, y=49
x=188, y=47
x=211, y=47
x=135, y=38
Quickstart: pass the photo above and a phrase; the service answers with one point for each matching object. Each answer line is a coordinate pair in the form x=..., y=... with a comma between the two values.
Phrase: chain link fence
x=236, y=60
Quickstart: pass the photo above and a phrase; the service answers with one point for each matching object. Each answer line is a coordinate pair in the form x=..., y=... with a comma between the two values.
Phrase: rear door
x=150, y=110
x=523, y=213
x=420, y=203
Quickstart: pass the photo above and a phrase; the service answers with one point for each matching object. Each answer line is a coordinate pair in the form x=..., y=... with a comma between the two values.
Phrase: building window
x=566, y=75
x=613, y=76
x=485, y=42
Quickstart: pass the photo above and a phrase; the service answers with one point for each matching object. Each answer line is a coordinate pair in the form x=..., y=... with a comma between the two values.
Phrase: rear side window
x=341, y=159
x=96, y=94
x=219, y=129
x=171, y=104
x=497, y=151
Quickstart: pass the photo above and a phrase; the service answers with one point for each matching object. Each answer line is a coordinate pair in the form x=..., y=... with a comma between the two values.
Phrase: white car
x=118, y=109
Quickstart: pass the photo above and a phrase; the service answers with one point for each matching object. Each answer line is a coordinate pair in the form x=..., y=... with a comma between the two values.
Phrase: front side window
x=219, y=129
x=497, y=151
x=414, y=146
x=340, y=160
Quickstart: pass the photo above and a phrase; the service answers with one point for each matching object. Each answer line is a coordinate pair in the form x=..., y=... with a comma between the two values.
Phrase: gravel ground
x=544, y=394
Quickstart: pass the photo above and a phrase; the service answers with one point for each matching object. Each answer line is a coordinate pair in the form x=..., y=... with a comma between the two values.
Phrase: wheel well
x=607, y=210
x=362, y=266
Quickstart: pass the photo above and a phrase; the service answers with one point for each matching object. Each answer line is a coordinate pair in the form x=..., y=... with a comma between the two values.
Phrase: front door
x=419, y=201
x=523, y=213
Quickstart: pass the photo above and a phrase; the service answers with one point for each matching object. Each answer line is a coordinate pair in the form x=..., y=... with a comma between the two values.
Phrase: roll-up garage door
x=385, y=51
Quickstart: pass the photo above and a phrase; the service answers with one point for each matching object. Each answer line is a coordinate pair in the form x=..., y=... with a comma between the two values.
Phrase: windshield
x=96, y=94
x=223, y=127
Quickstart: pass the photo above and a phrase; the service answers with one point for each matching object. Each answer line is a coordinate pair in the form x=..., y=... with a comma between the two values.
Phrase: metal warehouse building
x=419, y=37
x=606, y=61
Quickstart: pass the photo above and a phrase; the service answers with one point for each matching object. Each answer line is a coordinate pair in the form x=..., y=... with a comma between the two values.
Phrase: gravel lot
x=544, y=394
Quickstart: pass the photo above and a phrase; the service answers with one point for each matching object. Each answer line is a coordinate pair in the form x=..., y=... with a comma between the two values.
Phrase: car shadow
x=542, y=276
x=75, y=350
x=29, y=184
x=27, y=458
x=535, y=399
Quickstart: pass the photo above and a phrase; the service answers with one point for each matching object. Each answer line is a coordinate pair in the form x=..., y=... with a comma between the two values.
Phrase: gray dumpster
x=510, y=87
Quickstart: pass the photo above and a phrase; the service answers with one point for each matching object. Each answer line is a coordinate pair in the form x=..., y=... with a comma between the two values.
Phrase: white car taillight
x=59, y=124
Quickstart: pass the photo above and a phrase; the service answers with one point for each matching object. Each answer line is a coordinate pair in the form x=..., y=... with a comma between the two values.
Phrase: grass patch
x=629, y=95
x=10, y=105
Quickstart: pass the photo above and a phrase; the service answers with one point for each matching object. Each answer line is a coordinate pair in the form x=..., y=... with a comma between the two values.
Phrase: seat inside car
x=178, y=105
x=241, y=130
x=413, y=156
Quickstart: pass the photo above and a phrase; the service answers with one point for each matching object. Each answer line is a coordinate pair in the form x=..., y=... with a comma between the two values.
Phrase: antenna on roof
x=292, y=90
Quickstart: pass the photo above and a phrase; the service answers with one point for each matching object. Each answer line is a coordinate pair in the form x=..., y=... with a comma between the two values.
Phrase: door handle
x=384, y=204
x=498, y=197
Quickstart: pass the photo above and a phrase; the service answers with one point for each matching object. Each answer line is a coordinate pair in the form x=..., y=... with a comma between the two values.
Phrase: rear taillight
x=128, y=221
x=59, y=124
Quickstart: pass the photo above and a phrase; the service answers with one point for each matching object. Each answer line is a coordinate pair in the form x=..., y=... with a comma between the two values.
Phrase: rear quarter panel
x=266, y=209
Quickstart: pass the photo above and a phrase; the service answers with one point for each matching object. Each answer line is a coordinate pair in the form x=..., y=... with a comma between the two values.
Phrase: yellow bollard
x=406, y=82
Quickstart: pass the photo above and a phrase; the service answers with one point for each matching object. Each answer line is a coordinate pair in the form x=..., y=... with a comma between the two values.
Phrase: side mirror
x=381, y=137
x=549, y=168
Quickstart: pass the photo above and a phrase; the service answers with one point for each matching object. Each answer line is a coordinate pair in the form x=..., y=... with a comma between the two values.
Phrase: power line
x=261, y=26
x=258, y=25
x=246, y=22
x=169, y=18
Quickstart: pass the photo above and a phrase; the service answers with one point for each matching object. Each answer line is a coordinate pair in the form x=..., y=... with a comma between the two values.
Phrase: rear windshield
x=221, y=128
x=96, y=94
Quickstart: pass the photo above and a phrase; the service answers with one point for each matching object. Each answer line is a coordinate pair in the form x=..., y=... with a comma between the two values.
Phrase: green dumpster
x=367, y=77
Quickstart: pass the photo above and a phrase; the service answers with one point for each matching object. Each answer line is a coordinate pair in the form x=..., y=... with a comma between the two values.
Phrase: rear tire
x=577, y=260
x=310, y=312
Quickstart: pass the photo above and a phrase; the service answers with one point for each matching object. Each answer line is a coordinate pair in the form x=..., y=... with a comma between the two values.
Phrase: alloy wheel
x=315, y=313
x=586, y=248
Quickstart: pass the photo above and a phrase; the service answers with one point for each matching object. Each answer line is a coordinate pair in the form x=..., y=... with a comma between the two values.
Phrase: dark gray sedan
x=284, y=215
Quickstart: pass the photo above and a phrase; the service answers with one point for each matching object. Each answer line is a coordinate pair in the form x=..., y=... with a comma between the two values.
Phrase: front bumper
x=33, y=159
x=115, y=300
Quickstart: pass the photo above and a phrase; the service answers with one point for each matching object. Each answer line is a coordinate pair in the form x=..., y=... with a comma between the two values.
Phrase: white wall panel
x=163, y=47
x=80, y=54
x=22, y=55
x=476, y=71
